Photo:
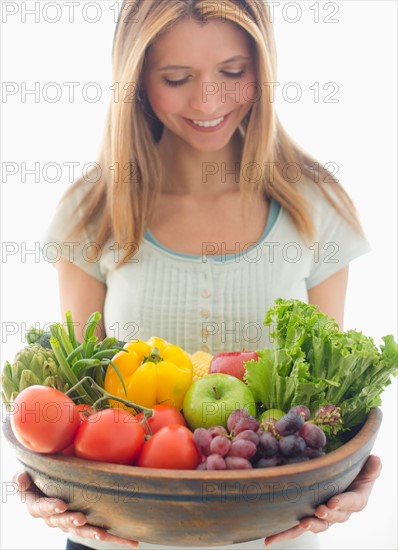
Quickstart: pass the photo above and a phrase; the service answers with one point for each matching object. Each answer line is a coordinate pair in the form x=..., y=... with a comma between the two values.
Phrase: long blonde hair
x=122, y=200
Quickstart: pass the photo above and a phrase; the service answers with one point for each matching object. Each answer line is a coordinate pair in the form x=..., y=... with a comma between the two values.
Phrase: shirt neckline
x=273, y=214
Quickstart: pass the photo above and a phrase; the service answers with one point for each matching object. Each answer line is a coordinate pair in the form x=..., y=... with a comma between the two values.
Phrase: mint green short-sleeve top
x=214, y=303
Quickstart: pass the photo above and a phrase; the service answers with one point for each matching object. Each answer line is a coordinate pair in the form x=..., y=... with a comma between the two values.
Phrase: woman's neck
x=199, y=173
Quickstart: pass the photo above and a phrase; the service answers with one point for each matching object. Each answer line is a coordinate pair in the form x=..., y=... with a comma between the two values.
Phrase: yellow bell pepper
x=153, y=372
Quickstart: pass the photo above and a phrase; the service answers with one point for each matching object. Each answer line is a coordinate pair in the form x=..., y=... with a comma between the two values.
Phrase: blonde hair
x=122, y=200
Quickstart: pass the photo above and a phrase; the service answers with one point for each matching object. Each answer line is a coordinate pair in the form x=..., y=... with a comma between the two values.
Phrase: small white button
x=206, y=293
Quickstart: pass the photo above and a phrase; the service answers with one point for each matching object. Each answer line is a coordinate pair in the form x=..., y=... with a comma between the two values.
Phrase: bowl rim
x=368, y=429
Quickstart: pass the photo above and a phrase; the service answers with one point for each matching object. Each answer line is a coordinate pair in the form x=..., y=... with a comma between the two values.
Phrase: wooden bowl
x=197, y=508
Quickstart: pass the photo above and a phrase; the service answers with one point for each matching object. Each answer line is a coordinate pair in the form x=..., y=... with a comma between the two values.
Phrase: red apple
x=232, y=362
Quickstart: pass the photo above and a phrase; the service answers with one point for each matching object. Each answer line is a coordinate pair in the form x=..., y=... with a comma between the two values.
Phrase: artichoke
x=32, y=365
x=38, y=336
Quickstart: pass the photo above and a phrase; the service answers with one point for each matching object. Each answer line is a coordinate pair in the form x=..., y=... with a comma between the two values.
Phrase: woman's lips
x=209, y=125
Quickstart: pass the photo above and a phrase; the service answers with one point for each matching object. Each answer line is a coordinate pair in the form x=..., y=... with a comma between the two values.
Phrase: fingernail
x=78, y=522
x=96, y=536
x=57, y=511
x=323, y=516
x=308, y=526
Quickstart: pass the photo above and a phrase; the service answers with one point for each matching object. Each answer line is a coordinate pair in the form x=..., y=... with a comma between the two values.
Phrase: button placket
x=205, y=293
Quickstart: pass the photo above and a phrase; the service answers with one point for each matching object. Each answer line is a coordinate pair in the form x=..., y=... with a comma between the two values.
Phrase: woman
x=202, y=212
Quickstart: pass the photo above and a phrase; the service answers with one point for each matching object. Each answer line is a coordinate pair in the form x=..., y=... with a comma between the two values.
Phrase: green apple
x=271, y=414
x=268, y=418
x=212, y=398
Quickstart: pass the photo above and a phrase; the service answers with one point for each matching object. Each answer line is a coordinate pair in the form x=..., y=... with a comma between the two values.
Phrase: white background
x=358, y=133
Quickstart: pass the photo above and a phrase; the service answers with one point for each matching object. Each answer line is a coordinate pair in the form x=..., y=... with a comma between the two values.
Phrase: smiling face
x=199, y=82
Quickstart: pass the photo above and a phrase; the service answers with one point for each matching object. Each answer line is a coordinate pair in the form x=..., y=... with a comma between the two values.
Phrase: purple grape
x=268, y=445
x=292, y=445
x=242, y=448
x=300, y=409
x=246, y=423
x=202, y=466
x=289, y=424
x=234, y=418
x=220, y=445
x=202, y=439
x=249, y=435
x=237, y=463
x=214, y=431
x=268, y=462
x=313, y=453
x=313, y=435
x=215, y=462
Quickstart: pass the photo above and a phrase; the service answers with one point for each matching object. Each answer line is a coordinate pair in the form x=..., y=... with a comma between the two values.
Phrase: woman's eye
x=231, y=74
x=176, y=82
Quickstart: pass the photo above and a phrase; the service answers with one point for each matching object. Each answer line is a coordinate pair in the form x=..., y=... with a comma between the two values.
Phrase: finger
x=369, y=473
x=333, y=516
x=67, y=521
x=92, y=532
x=22, y=480
x=37, y=504
x=42, y=507
x=315, y=525
x=108, y=537
x=356, y=496
x=290, y=534
x=353, y=501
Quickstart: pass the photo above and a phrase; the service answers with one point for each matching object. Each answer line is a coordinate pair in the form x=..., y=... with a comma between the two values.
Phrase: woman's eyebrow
x=230, y=60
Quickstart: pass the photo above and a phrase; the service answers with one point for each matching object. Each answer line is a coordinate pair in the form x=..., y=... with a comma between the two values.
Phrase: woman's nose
x=206, y=98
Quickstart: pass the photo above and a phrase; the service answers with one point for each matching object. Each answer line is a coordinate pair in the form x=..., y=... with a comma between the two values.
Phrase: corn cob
x=200, y=361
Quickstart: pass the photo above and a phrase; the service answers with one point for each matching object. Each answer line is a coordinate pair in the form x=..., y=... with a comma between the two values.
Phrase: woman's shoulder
x=324, y=199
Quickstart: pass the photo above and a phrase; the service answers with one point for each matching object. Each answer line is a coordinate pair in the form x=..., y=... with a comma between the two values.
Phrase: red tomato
x=172, y=447
x=84, y=411
x=44, y=419
x=111, y=435
x=164, y=415
x=69, y=451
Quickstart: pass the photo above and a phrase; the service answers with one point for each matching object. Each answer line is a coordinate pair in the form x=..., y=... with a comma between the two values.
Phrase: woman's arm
x=80, y=293
x=330, y=295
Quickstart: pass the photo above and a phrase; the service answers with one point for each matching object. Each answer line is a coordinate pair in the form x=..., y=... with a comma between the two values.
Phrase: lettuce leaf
x=312, y=363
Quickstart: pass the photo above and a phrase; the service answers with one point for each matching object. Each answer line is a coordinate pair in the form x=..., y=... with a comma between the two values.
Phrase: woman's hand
x=55, y=513
x=340, y=507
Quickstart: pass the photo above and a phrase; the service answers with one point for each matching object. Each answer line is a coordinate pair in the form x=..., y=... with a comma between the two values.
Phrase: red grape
x=242, y=448
x=249, y=435
x=215, y=462
x=202, y=439
x=237, y=463
x=220, y=445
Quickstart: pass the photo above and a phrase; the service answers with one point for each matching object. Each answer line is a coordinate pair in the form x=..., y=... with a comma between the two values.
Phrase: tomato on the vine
x=172, y=447
x=163, y=415
x=84, y=411
x=44, y=419
x=110, y=435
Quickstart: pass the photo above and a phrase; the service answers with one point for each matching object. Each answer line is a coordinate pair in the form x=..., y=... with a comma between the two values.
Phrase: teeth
x=208, y=123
